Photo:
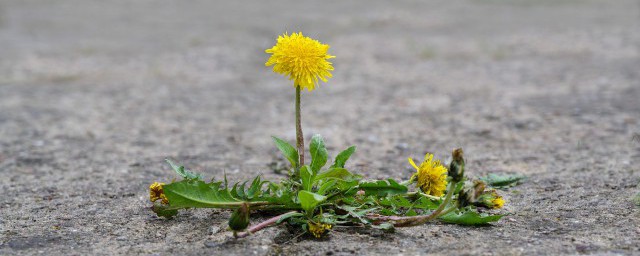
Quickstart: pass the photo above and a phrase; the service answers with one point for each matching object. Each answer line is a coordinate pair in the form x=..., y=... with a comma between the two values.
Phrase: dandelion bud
x=456, y=167
x=240, y=218
x=490, y=199
x=470, y=193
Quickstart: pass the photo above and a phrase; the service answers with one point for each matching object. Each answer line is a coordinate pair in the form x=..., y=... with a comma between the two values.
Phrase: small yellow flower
x=302, y=59
x=431, y=176
x=498, y=202
x=156, y=193
x=318, y=229
x=491, y=199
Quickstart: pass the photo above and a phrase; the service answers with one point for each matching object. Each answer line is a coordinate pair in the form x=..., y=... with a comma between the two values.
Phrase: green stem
x=299, y=135
x=448, y=210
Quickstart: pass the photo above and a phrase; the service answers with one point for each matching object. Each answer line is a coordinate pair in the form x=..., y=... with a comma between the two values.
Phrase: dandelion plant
x=321, y=195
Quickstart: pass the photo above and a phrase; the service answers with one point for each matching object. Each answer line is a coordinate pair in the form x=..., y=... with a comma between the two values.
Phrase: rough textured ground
x=95, y=94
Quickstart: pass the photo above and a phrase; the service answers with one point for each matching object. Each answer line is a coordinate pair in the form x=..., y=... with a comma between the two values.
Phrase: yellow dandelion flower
x=157, y=193
x=498, y=202
x=318, y=229
x=490, y=199
x=431, y=176
x=302, y=59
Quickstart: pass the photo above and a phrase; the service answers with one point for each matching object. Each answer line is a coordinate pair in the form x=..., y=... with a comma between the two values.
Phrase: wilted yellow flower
x=318, y=229
x=498, y=202
x=491, y=199
x=302, y=59
x=156, y=193
x=431, y=176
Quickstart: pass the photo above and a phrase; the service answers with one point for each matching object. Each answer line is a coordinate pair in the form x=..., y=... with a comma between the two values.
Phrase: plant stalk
x=260, y=226
x=299, y=135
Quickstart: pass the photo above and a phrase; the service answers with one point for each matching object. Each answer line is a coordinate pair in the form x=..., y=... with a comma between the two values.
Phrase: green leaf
x=382, y=188
x=349, y=187
x=186, y=174
x=411, y=213
x=636, y=199
x=288, y=216
x=288, y=151
x=163, y=211
x=470, y=218
x=357, y=213
x=342, y=158
x=338, y=173
x=326, y=186
x=196, y=193
x=309, y=200
x=306, y=178
x=502, y=180
x=426, y=203
x=318, y=152
x=255, y=188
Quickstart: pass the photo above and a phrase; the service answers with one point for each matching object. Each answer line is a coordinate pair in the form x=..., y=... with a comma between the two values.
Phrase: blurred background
x=95, y=94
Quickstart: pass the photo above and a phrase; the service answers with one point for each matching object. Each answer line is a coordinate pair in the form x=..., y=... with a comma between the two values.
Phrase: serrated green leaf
x=309, y=200
x=469, y=217
x=318, y=152
x=426, y=203
x=382, y=187
x=388, y=212
x=255, y=188
x=342, y=158
x=395, y=202
x=184, y=173
x=358, y=213
x=198, y=194
x=338, y=173
x=289, y=152
x=502, y=180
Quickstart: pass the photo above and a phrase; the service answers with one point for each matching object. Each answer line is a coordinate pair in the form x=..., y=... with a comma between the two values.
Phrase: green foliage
x=324, y=197
x=309, y=200
x=198, y=194
x=336, y=173
x=318, y=152
x=382, y=187
x=288, y=216
x=502, y=180
x=342, y=157
x=470, y=218
x=289, y=152
x=184, y=173
x=164, y=211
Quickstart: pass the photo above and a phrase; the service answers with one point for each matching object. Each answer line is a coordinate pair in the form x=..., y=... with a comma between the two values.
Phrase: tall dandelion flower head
x=430, y=176
x=302, y=59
